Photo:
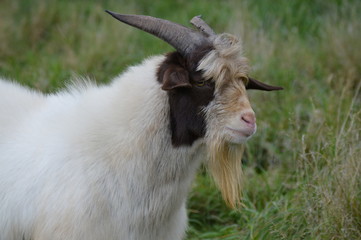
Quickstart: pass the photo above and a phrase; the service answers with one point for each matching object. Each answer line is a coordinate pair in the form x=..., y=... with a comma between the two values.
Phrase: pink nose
x=249, y=118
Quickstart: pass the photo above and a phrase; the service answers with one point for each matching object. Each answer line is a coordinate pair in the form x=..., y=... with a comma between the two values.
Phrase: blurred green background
x=302, y=170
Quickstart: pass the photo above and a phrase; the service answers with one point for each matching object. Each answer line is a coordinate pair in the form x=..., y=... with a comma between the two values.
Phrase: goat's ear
x=175, y=78
x=254, y=84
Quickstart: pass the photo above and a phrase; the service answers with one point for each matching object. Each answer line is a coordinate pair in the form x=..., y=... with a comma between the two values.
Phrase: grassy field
x=303, y=167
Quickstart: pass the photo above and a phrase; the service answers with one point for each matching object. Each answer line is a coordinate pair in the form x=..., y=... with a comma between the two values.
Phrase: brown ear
x=175, y=77
x=254, y=84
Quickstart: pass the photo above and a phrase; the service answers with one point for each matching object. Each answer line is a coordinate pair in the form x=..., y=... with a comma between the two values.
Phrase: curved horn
x=199, y=23
x=184, y=39
x=254, y=84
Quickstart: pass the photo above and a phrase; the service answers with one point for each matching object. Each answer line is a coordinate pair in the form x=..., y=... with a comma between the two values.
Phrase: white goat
x=117, y=161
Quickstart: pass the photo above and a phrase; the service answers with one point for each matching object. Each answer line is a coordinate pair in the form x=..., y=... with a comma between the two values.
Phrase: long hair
x=225, y=166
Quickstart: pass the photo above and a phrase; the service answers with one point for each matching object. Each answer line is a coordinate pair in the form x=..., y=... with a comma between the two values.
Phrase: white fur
x=93, y=162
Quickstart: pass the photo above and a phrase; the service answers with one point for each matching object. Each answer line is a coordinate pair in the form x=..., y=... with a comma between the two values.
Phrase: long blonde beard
x=225, y=165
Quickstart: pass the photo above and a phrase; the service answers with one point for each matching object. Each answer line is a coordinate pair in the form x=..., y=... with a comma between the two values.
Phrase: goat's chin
x=233, y=137
x=238, y=140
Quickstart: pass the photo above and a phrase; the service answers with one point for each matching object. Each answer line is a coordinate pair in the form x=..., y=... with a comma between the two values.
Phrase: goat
x=117, y=161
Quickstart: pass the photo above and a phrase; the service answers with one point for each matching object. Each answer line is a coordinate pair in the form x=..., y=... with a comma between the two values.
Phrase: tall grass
x=303, y=167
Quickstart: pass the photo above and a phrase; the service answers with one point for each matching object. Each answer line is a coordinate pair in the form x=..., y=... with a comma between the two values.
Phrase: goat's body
x=93, y=162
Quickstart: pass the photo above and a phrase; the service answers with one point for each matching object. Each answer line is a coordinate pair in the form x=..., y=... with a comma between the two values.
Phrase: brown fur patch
x=186, y=99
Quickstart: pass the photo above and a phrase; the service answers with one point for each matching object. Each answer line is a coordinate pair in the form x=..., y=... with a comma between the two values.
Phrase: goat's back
x=16, y=103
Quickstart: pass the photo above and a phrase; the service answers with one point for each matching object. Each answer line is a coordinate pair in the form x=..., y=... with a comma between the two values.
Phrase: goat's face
x=207, y=93
x=230, y=116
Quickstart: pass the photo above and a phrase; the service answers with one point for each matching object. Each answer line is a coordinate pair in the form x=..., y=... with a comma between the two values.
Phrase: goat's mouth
x=240, y=135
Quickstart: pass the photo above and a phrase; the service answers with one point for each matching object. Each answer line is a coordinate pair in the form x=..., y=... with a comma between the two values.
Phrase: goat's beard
x=225, y=165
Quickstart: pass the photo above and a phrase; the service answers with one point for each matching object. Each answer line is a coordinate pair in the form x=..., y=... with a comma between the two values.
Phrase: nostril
x=249, y=118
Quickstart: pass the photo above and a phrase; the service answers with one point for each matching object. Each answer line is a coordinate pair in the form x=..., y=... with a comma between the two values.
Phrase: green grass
x=303, y=167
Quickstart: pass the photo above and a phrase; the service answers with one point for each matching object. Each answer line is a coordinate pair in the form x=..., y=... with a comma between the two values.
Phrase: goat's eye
x=244, y=80
x=200, y=83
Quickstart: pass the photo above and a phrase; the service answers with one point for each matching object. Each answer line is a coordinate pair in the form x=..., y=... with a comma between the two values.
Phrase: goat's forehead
x=225, y=61
x=222, y=71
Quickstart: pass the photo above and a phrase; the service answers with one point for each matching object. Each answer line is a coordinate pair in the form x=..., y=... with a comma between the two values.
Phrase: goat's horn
x=255, y=84
x=199, y=23
x=184, y=39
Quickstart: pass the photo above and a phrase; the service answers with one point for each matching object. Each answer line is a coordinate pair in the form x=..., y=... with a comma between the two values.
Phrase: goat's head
x=206, y=80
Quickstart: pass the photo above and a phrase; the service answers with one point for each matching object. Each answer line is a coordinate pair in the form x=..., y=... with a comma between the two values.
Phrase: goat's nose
x=249, y=118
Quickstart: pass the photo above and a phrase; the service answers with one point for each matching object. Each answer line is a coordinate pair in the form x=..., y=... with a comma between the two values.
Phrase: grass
x=303, y=167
